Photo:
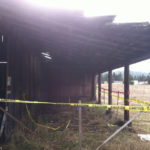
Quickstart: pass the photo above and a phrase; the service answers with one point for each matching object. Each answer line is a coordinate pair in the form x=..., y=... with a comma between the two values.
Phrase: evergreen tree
x=104, y=77
x=148, y=78
x=131, y=78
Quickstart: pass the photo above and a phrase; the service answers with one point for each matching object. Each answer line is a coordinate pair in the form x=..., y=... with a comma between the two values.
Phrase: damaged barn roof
x=76, y=41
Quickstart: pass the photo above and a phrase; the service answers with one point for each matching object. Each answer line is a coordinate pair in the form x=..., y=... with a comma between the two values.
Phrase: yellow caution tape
x=139, y=101
x=68, y=124
x=130, y=108
x=38, y=124
x=44, y=126
x=130, y=99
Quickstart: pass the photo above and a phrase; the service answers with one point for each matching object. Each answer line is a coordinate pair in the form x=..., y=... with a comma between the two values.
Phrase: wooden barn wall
x=35, y=79
x=24, y=70
x=65, y=84
x=2, y=68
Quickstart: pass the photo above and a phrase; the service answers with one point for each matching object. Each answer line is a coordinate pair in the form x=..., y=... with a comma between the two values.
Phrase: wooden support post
x=126, y=91
x=99, y=88
x=93, y=88
x=109, y=91
x=110, y=87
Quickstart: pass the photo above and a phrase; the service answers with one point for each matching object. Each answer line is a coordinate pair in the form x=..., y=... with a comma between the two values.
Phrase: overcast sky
x=125, y=10
x=143, y=66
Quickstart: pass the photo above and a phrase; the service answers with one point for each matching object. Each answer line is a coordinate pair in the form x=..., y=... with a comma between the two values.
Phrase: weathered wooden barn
x=55, y=54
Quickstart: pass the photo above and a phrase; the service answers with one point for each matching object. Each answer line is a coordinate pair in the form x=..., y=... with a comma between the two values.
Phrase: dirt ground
x=97, y=126
x=141, y=92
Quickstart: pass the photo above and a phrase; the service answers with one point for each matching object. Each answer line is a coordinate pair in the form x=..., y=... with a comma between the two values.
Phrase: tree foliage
x=119, y=77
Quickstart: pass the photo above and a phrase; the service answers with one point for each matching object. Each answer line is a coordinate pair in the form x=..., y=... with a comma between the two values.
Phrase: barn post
x=110, y=87
x=99, y=88
x=93, y=88
x=126, y=91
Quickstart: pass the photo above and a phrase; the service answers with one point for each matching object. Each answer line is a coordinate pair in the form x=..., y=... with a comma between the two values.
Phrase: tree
x=104, y=77
x=117, y=77
x=148, y=78
x=131, y=78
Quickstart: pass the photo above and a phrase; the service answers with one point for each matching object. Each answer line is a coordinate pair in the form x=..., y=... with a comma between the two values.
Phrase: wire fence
x=95, y=124
x=140, y=92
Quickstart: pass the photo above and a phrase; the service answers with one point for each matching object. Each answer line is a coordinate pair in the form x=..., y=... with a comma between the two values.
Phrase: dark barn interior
x=54, y=55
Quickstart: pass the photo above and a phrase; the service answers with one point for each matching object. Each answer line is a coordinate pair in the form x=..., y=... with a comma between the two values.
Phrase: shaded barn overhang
x=78, y=48
x=75, y=42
